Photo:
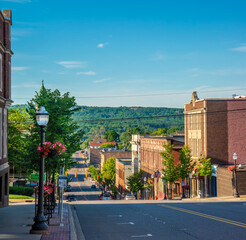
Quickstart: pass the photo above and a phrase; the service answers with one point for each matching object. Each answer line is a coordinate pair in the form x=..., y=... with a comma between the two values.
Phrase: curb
x=76, y=232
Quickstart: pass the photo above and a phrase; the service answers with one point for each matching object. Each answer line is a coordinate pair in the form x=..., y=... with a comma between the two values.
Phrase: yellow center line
x=205, y=215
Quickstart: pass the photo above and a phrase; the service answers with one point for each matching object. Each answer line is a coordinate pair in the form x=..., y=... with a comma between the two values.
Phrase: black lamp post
x=145, y=188
x=153, y=188
x=40, y=226
x=235, y=172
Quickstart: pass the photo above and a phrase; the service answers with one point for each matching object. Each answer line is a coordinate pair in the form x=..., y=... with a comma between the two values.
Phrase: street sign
x=62, y=181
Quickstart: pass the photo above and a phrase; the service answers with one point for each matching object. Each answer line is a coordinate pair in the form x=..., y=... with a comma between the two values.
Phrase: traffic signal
x=75, y=173
x=86, y=175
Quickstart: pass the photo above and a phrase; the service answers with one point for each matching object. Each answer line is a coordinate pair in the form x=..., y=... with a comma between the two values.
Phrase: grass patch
x=13, y=196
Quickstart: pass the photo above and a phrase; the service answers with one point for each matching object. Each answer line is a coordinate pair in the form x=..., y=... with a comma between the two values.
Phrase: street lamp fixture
x=40, y=226
x=235, y=172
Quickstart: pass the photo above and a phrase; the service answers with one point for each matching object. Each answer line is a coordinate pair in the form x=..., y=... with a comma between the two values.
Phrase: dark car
x=68, y=188
x=71, y=197
x=93, y=186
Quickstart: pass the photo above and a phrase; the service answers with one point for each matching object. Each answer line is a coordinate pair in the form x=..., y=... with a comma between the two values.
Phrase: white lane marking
x=141, y=236
x=131, y=223
x=114, y=215
x=164, y=222
x=183, y=229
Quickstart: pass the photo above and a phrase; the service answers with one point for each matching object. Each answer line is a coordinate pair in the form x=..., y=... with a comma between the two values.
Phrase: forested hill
x=86, y=114
x=145, y=124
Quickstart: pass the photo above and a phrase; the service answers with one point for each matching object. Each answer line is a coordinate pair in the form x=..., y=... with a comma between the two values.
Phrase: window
x=1, y=71
x=1, y=132
x=5, y=139
x=6, y=184
x=1, y=188
x=9, y=82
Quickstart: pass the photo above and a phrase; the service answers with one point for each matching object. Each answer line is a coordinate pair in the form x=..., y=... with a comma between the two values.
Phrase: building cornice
x=5, y=18
x=4, y=166
x=5, y=50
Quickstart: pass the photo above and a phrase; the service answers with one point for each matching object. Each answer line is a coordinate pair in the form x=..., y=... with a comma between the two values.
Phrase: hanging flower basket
x=51, y=149
x=48, y=189
x=231, y=168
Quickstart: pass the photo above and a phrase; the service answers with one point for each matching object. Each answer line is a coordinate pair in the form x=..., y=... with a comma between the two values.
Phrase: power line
x=149, y=117
x=148, y=95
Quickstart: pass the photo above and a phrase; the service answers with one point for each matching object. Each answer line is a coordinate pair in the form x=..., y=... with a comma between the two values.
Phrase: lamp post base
x=40, y=226
x=236, y=195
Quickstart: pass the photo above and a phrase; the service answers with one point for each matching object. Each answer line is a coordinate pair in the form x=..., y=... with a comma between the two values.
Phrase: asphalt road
x=175, y=221
x=80, y=186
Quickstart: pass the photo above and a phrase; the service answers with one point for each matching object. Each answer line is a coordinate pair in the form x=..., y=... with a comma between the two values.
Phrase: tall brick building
x=5, y=102
x=215, y=128
x=151, y=159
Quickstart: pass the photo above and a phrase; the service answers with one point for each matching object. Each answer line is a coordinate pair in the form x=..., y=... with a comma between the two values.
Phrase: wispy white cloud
x=102, y=80
x=195, y=72
x=239, y=49
x=19, y=68
x=72, y=64
x=158, y=56
x=27, y=85
x=102, y=45
x=17, y=1
x=89, y=73
x=19, y=32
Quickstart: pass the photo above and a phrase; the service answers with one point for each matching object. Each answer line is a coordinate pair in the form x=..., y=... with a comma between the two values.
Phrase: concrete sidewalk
x=16, y=221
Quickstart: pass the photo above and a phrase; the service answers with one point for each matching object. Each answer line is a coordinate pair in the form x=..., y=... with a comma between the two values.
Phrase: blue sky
x=165, y=49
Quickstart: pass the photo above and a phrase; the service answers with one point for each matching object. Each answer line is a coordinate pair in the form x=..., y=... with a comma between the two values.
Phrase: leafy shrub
x=20, y=190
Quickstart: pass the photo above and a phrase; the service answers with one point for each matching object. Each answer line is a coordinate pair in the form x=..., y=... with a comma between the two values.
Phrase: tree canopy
x=61, y=126
x=136, y=182
x=171, y=170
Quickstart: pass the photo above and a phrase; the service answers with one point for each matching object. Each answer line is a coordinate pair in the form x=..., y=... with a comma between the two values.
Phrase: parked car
x=68, y=188
x=130, y=197
x=93, y=186
x=105, y=196
x=71, y=197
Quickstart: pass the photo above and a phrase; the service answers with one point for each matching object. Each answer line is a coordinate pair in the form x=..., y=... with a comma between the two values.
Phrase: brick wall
x=224, y=182
x=237, y=130
x=5, y=94
x=217, y=136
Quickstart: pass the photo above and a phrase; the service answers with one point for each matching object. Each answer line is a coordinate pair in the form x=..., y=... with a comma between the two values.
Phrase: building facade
x=136, y=164
x=215, y=128
x=123, y=171
x=110, y=152
x=5, y=101
x=151, y=161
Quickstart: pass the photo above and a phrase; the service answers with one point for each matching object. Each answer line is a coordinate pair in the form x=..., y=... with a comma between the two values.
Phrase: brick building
x=151, y=159
x=123, y=171
x=110, y=152
x=215, y=128
x=95, y=151
x=5, y=102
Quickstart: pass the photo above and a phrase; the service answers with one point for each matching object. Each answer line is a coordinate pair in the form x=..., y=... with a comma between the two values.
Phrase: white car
x=130, y=197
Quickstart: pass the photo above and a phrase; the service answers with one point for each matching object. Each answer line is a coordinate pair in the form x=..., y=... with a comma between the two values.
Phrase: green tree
x=111, y=135
x=171, y=170
x=206, y=170
x=135, y=181
x=107, y=145
x=61, y=127
x=108, y=171
x=19, y=126
x=186, y=164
